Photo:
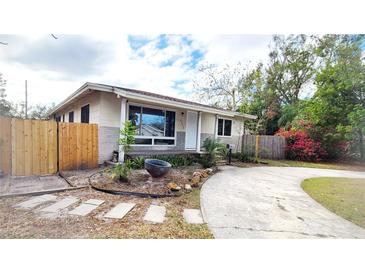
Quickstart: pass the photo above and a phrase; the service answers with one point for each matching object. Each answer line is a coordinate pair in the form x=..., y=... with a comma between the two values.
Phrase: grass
x=322, y=165
x=174, y=227
x=343, y=196
x=15, y=223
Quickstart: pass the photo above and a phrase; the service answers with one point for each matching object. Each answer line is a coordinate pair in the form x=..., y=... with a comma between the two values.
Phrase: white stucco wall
x=109, y=110
x=92, y=99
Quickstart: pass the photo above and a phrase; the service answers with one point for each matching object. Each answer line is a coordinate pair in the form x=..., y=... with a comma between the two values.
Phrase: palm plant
x=212, y=147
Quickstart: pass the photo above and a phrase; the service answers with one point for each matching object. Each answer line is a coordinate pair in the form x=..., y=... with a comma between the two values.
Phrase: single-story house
x=164, y=124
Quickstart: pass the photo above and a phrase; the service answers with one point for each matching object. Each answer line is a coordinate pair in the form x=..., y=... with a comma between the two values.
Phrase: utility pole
x=26, y=99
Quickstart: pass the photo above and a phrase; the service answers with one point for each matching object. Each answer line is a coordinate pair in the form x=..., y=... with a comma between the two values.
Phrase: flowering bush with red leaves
x=301, y=147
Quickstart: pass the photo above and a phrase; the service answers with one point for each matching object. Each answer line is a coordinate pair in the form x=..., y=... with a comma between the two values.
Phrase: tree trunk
x=361, y=146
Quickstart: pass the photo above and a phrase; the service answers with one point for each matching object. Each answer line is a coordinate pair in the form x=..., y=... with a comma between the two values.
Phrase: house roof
x=147, y=96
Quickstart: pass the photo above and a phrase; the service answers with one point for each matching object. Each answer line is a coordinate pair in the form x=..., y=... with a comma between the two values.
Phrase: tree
x=222, y=87
x=260, y=101
x=292, y=65
x=355, y=130
x=40, y=111
x=340, y=90
x=5, y=105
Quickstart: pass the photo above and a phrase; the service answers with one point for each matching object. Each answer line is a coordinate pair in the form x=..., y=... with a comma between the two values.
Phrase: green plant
x=137, y=163
x=175, y=160
x=212, y=147
x=121, y=171
x=243, y=157
x=127, y=134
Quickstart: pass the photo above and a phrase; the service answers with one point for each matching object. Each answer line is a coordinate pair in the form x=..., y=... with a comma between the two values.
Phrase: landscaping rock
x=204, y=174
x=188, y=187
x=197, y=174
x=195, y=181
x=209, y=170
x=173, y=186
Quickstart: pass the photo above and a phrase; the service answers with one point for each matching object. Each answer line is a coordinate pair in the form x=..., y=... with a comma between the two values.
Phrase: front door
x=191, y=130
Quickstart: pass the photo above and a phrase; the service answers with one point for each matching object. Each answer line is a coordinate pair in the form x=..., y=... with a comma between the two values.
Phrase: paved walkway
x=268, y=202
x=23, y=185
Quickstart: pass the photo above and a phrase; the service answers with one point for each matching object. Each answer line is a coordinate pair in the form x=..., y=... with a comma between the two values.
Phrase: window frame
x=223, y=131
x=153, y=137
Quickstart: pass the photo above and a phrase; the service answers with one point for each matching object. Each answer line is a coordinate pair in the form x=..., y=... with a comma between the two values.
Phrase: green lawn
x=325, y=165
x=343, y=196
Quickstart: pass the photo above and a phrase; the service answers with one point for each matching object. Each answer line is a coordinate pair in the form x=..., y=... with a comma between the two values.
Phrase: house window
x=63, y=118
x=71, y=117
x=85, y=114
x=224, y=127
x=154, y=126
x=58, y=118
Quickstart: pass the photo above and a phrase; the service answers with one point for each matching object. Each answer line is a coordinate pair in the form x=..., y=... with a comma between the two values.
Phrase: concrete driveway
x=268, y=202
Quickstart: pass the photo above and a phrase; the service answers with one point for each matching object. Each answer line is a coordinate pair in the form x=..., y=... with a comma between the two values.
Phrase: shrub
x=121, y=171
x=212, y=147
x=175, y=160
x=300, y=146
x=137, y=163
x=127, y=134
x=243, y=157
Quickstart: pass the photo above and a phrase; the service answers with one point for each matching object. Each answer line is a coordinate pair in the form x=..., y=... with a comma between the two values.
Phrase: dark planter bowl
x=157, y=168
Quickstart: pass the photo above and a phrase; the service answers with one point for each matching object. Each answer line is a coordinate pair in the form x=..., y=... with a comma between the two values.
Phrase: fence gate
x=77, y=146
x=34, y=147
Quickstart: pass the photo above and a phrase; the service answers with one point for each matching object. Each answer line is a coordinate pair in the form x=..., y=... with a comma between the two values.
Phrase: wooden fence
x=78, y=146
x=37, y=147
x=34, y=147
x=5, y=144
x=268, y=147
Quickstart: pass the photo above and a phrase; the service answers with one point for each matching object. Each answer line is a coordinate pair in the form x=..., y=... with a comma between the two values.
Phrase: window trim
x=153, y=137
x=224, y=136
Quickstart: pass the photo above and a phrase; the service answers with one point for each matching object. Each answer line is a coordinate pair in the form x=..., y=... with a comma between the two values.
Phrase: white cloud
x=125, y=66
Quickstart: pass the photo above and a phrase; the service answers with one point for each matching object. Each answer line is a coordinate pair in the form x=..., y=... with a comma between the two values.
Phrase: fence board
x=5, y=144
x=270, y=147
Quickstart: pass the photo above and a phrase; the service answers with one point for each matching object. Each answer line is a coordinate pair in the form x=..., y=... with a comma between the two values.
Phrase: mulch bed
x=141, y=181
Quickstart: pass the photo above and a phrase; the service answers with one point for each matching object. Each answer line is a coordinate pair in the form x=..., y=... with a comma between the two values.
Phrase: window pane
x=227, y=127
x=85, y=114
x=164, y=142
x=140, y=141
x=170, y=124
x=220, y=126
x=135, y=118
x=71, y=117
x=153, y=122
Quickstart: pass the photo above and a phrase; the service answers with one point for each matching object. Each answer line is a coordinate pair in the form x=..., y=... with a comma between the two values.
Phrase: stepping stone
x=193, y=216
x=64, y=203
x=94, y=202
x=119, y=211
x=155, y=214
x=86, y=208
x=36, y=201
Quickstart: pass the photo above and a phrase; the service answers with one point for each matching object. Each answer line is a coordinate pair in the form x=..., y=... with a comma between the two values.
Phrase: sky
x=165, y=64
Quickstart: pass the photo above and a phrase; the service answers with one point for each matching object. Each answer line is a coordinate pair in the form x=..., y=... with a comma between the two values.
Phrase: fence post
x=257, y=147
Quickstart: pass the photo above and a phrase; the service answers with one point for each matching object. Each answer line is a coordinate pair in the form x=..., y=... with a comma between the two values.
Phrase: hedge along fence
x=39, y=147
x=265, y=146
